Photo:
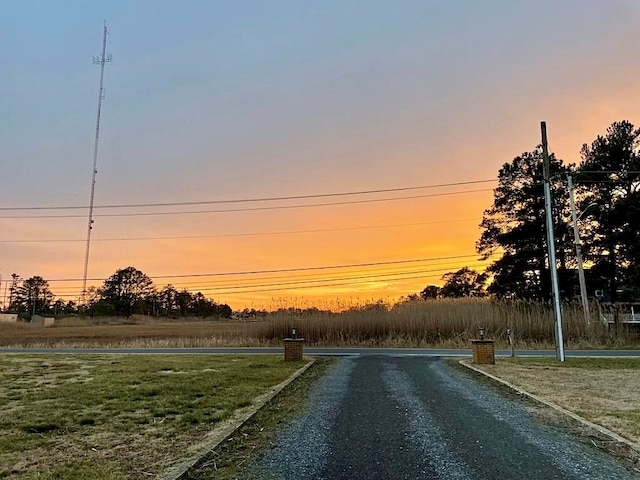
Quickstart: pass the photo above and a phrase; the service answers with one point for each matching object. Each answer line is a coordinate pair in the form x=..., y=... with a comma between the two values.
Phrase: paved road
x=313, y=351
x=384, y=417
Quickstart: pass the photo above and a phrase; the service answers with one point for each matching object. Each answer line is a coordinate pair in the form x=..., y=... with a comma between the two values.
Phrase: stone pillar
x=483, y=352
x=293, y=349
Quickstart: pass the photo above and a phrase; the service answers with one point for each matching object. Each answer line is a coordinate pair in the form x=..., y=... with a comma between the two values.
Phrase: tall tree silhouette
x=33, y=296
x=126, y=290
x=514, y=226
x=609, y=176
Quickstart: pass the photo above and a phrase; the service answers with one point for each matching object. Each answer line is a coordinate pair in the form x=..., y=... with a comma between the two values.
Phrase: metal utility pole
x=4, y=301
x=98, y=60
x=551, y=244
x=576, y=236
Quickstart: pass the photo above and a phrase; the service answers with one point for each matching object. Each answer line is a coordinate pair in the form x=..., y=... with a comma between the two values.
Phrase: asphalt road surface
x=386, y=417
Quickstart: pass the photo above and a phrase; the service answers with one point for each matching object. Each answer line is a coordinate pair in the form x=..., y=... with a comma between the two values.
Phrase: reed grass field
x=447, y=323
x=426, y=323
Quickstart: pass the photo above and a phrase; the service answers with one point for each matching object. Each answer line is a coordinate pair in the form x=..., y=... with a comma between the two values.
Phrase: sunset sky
x=215, y=101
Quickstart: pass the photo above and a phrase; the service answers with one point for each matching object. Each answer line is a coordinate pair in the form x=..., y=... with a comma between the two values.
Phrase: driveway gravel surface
x=384, y=417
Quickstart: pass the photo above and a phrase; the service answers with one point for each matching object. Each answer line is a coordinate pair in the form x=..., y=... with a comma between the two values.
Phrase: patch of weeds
x=41, y=428
x=153, y=392
x=164, y=412
x=584, y=414
x=13, y=441
x=635, y=414
x=73, y=471
x=191, y=419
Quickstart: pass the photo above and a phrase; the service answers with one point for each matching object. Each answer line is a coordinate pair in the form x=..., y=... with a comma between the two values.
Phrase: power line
x=282, y=270
x=251, y=209
x=621, y=183
x=314, y=276
x=223, y=289
x=250, y=200
x=323, y=280
x=254, y=234
x=607, y=171
x=214, y=284
x=335, y=284
x=319, y=283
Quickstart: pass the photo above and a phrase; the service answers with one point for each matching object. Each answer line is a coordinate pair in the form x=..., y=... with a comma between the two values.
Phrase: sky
x=210, y=101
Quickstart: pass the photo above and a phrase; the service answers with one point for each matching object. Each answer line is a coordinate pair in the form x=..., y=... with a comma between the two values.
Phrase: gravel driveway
x=414, y=417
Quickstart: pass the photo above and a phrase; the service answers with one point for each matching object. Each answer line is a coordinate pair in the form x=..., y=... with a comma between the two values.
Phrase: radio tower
x=97, y=60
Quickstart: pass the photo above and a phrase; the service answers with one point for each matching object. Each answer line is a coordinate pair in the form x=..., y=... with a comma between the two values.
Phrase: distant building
x=42, y=321
x=625, y=314
x=8, y=317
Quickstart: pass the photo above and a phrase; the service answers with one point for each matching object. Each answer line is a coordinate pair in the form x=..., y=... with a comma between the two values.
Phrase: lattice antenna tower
x=101, y=60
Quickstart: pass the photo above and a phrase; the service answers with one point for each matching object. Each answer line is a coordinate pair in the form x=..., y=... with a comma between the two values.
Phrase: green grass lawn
x=114, y=417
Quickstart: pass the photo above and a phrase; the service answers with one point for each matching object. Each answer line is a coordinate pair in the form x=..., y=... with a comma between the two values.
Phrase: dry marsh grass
x=185, y=333
x=441, y=322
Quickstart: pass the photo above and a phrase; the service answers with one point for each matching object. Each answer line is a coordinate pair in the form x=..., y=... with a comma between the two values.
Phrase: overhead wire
x=282, y=270
x=248, y=234
x=216, y=284
x=215, y=288
x=264, y=199
x=371, y=277
x=330, y=284
x=249, y=209
x=251, y=200
x=357, y=280
x=634, y=172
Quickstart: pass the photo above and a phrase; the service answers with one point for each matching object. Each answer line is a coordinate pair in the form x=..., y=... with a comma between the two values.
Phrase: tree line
x=128, y=291
x=607, y=192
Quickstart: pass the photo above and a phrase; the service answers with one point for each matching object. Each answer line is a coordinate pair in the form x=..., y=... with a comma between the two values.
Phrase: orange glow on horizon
x=430, y=227
x=379, y=232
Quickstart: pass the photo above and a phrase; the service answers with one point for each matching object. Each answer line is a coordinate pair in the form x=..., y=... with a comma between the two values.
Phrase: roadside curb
x=237, y=419
x=605, y=431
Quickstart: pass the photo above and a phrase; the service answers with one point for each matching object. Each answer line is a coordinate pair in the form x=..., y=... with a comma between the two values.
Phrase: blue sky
x=210, y=100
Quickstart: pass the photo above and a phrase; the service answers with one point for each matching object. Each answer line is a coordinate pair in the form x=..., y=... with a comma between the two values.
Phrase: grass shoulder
x=230, y=458
x=603, y=391
x=589, y=363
